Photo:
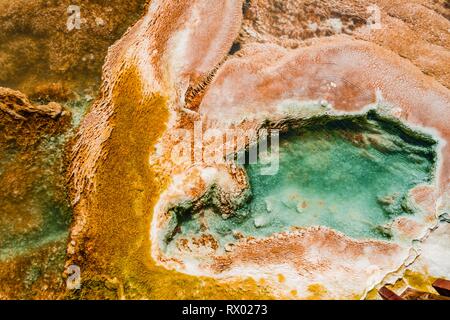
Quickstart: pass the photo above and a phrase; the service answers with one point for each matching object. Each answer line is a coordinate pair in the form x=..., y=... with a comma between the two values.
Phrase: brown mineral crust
x=425, y=200
x=408, y=228
x=425, y=197
x=16, y=104
x=212, y=36
x=429, y=52
x=207, y=239
x=35, y=274
x=26, y=123
x=333, y=250
x=286, y=22
x=55, y=91
x=417, y=30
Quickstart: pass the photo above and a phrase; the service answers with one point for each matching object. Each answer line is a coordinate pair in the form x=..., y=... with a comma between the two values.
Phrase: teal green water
x=351, y=174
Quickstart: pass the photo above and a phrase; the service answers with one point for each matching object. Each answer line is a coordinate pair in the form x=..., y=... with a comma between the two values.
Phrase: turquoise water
x=350, y=174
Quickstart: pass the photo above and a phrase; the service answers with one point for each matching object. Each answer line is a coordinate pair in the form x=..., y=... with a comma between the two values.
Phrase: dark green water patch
x=349, y=173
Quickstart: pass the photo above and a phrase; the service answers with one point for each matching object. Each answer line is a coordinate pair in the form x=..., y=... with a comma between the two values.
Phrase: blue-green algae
x=349, y=173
